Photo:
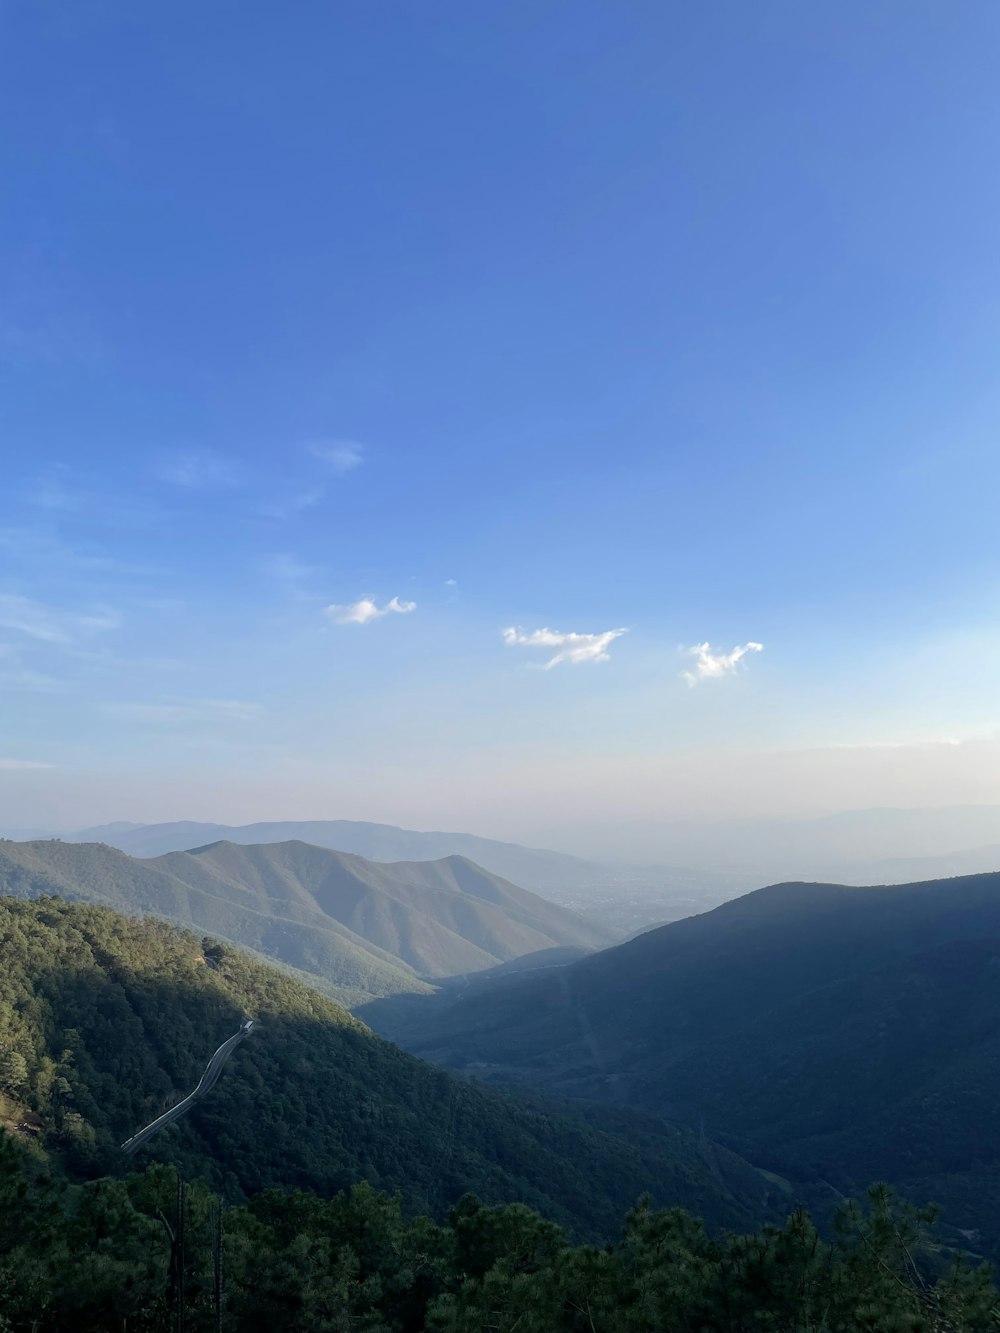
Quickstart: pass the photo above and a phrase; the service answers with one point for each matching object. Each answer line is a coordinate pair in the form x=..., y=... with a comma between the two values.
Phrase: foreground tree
x=117, y=1255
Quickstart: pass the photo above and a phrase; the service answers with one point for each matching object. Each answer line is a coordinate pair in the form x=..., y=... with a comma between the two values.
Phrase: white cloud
x=451, y=583
x=185, y=710
x=200, y=470
x=9, y=764
x=341, y=456
x=50, y=625
x=712, y=666
x=365, y=609
x=571, y=647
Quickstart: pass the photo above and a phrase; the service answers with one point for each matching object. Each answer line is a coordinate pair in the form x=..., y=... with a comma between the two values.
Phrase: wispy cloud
x=291, y=575
x=365, y=609
x=571, y=647
x=200, y=470
x=29, y=682
x=36, y=550
x=713, y=666
x=294, y=502
x=53, y=491
x=52, y=625
x=340, y=456
x=57, y=494
x=184, y=710
x=9, y=764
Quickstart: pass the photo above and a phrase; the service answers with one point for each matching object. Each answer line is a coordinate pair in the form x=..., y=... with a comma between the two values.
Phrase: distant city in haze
x=562, y=432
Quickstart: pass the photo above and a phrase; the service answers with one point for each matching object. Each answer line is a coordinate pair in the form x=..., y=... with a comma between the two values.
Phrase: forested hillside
x=364, y=930
x=105, y=1022
x=440, y=917
x=827, y=1032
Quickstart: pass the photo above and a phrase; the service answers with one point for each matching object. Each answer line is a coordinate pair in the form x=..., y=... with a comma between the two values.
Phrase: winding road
x=208, y=1081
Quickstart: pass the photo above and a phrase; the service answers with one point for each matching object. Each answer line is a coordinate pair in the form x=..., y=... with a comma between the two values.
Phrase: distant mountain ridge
x=533, y=868
x=364, y=929
x=623, y=897
x=701, y=866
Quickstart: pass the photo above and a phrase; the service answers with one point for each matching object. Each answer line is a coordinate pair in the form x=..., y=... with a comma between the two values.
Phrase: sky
x=527, y=418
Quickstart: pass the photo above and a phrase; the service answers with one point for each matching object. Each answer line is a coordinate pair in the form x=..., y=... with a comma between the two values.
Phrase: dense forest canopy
x=123, y=1254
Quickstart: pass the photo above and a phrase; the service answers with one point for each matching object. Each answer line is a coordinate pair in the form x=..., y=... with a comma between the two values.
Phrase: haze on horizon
x=548, y=423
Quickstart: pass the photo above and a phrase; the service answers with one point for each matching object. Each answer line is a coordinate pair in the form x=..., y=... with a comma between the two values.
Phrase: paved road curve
x=208, y=1081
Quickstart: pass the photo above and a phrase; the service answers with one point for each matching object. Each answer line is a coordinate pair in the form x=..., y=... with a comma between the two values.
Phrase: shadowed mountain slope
x=843, y=1033
x=671, y=989
x=107, y=1021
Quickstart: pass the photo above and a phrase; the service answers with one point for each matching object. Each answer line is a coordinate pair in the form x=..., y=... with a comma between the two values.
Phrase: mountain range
x=664, y=871
x=359, y=928
x=829, y=1034
x=534, y=869
x=620, y=896
x=824, y=1031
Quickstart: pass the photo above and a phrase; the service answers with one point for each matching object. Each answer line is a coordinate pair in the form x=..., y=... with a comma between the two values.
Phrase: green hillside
x=347, y=968
x=106, y=1021
x=363, y=929
x=441, y=918
x=830, y=1033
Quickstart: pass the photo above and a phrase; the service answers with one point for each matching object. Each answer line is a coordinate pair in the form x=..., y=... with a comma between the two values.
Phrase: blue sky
x=667, y=318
